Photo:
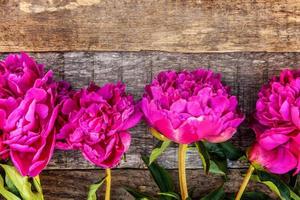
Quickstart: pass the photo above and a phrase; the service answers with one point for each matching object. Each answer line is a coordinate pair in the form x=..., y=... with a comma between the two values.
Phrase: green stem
x=245, y=183
x=108, y=184
x=181, y=171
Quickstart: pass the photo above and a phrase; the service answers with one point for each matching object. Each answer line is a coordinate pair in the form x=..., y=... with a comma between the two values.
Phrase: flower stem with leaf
x=245, y=183
x=108, y=184
x=181, y=170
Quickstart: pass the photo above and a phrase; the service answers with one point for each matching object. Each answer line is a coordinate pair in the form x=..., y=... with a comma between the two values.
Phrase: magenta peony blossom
x=30, y=127
x=96, y=122
x=277, y=124
x=28, y=111
x=18, y=74
x=191, y=106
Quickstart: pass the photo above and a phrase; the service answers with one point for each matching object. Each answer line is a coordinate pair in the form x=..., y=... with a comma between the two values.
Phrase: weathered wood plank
x=243, y=72
x=73, y=184
x=164, y=25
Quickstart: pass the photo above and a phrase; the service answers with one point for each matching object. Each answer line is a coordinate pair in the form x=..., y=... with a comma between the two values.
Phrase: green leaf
x=158, y=151
x=22, y=183
x=215, y=150
x=10, y=185
x=294, y=195
x=92, y=195
x=5, y=193
x=274, y=183
x=217, y=194
x=218, y=167
x=213, y=158
x=160, y=176
x=170, y=194
x=37, y=184
x=294, y=183
x=204, y=156
x=218, y=159
x=215, y=169
x=231, y=152
x=136, y=194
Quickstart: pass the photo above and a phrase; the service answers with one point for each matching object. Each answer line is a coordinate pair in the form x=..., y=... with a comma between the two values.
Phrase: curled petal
x=278, y=161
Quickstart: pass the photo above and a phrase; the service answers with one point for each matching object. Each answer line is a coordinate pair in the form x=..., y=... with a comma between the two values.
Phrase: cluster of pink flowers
x=38, y=113
x=191, y=106
x=277, y=124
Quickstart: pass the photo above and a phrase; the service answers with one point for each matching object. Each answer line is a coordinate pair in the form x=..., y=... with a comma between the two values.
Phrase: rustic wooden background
x=108, y=40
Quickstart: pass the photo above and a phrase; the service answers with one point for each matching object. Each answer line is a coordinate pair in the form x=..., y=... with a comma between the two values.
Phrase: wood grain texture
x=163, y=25
x=73, y=184
x=243, y=72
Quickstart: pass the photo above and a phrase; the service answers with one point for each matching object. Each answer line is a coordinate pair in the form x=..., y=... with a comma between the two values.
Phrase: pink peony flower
x=191, y=106
x=18, y=74
x=30, y=127
x=277, y=124
x=97, y=123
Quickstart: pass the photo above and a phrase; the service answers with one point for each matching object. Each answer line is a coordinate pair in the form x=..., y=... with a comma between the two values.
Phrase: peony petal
x=156, y=92
x=151, y=111
x=219, y=103
x=164, y=126
x=145, y=108
x=76, y=136
x=63, y=146
x=36, y=168
x=22, y=148
x=13, y=118
x=278, y=161
x=68, y=106
x=285, y=161
x=222, y=137
x=125, y=139
x=194, y=108
x=92, y=155
x=106, y=91
x=111, y=143
x=178, y=106
x=21, y=161
x=36, y=93
x=132, y=120
x=185, y=134
x=285, y=110
x=31, y=111
x=233, y=103
x=270, y=140
x=42, y=110
x=2, y=118
x=295, y=116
